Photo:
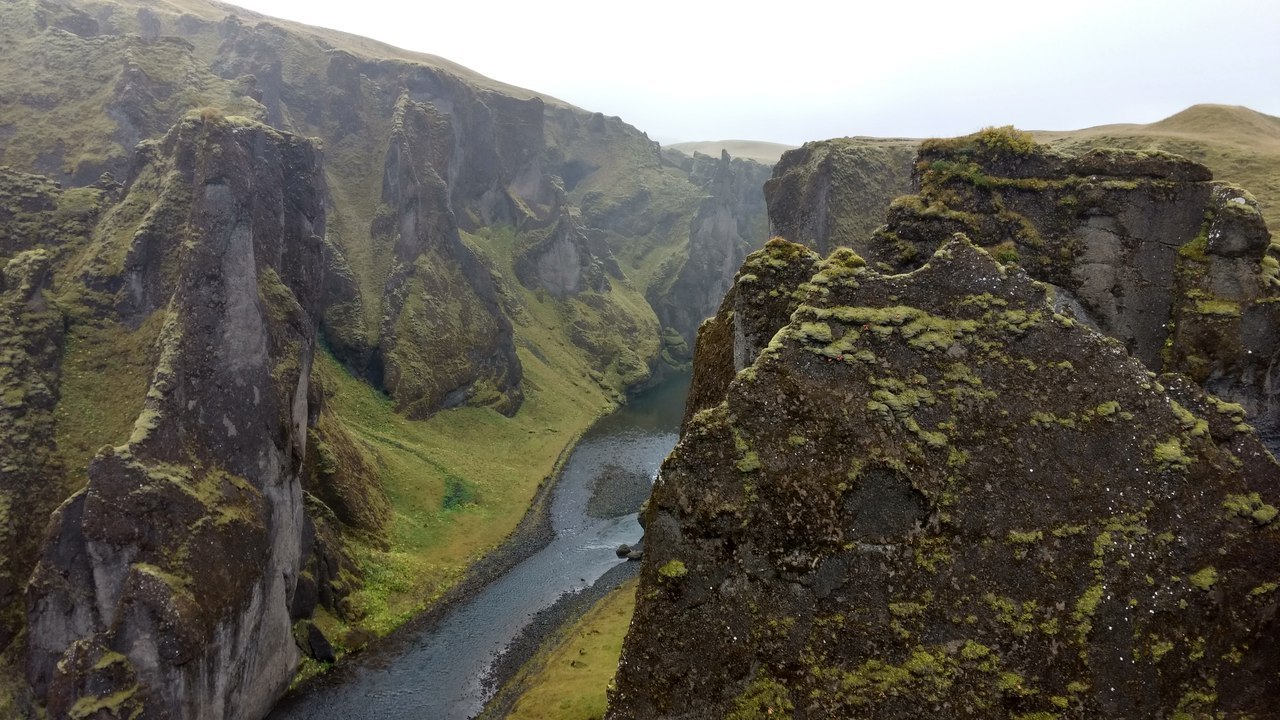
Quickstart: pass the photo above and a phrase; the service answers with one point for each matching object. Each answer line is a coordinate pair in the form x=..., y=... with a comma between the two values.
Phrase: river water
x=438, y=673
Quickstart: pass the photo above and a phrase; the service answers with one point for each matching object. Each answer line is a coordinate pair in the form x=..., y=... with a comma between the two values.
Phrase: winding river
x=438, y=673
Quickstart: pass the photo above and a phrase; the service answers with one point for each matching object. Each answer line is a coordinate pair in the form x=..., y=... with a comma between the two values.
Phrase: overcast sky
x=795, y=70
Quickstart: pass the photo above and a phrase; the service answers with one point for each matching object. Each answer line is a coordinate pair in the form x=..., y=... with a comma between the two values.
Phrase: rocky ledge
x=932, y=495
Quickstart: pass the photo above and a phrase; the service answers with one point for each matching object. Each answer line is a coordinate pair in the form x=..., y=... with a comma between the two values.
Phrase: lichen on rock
x=180, y=557
x=1014, y=518
x=1140, y=244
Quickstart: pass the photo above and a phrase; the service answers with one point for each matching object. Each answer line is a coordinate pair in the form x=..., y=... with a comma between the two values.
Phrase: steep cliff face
x=165, y=585
x=1142, y=245
x=931, y=495
x=35, y=218
x=729, y=222
x=463, y=245
x=834, y=193
x=1178, y=268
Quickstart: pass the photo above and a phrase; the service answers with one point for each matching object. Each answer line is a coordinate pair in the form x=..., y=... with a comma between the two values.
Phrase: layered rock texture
x=932, y=494
x=165, y=586
x=1142, y=245
x=1004, y=466
x=833, y=193
x=245, y=263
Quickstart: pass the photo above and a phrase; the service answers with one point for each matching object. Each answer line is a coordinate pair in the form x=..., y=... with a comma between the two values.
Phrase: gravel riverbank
x=547, y=627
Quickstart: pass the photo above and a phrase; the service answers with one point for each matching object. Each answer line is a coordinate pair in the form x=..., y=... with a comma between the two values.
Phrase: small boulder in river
x=617, y=492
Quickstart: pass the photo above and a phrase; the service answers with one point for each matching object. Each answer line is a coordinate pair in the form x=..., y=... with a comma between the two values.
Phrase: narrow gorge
x=333, y=375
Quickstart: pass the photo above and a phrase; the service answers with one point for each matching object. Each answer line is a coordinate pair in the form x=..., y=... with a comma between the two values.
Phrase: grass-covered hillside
x=1238, y=144
x=499, y=269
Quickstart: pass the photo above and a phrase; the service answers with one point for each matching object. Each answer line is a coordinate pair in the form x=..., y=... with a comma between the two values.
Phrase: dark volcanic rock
x=1142, y=245
x=932, y=496
x=764, y=294
x=617, y=492
x=834, y=193
x=165, y=585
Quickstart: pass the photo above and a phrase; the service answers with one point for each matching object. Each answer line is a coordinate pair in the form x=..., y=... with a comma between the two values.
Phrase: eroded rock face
x=933, y=496
x=1142, y=245
x=764, y=294
x=37, y=220
x=729, y=224
x=834, y=193
x=443, y=330
x=165, y=585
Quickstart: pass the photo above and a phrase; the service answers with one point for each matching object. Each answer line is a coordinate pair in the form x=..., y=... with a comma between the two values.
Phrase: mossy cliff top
x=931, y=495
x=1140, y=244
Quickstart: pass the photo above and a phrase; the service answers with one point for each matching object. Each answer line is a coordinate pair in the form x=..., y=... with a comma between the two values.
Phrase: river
x=438, y=673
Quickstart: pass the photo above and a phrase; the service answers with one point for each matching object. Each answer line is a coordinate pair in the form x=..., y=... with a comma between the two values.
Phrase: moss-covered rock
x=834, y=193
x=991, y=510
x=1141, y=244
x=182, y=553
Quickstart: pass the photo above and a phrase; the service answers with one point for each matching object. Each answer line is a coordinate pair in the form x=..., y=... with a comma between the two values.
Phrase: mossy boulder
x=931, y=495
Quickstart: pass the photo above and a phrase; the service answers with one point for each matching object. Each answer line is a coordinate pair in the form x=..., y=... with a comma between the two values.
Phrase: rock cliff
x=165, y=585
x=831, y=193
x=200, y=311
x=1141, y=244
x=729, y=222
x=931, y=494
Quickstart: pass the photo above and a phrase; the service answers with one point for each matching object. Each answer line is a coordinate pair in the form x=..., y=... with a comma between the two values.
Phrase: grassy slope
x=758, y=150
x=460, y=481
x=1240, y=145
x=567, y=680
x=215, y=11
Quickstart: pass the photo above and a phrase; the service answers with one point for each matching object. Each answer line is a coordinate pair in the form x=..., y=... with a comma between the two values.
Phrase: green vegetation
x=567, y=680
x=1005, y=139
x=1236, y=143
x=106, y=370
x=673, y=570
x=764, y=698
x=1204, y=578
x=1250, y=506
x=457, y=483
x=1169, y=455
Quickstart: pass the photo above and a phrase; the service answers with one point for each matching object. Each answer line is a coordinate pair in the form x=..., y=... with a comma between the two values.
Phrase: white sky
x=795, y=70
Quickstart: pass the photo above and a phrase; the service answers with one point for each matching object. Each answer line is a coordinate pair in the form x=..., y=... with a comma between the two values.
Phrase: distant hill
x=762, y=152
x=1240, y=145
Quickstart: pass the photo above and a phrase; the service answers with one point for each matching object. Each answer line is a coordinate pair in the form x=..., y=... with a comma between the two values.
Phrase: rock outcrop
x=1142, y=245
x=729, y=224
x=932, y=495
x=833, y=193
x=165, y=585
x=463, y=242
